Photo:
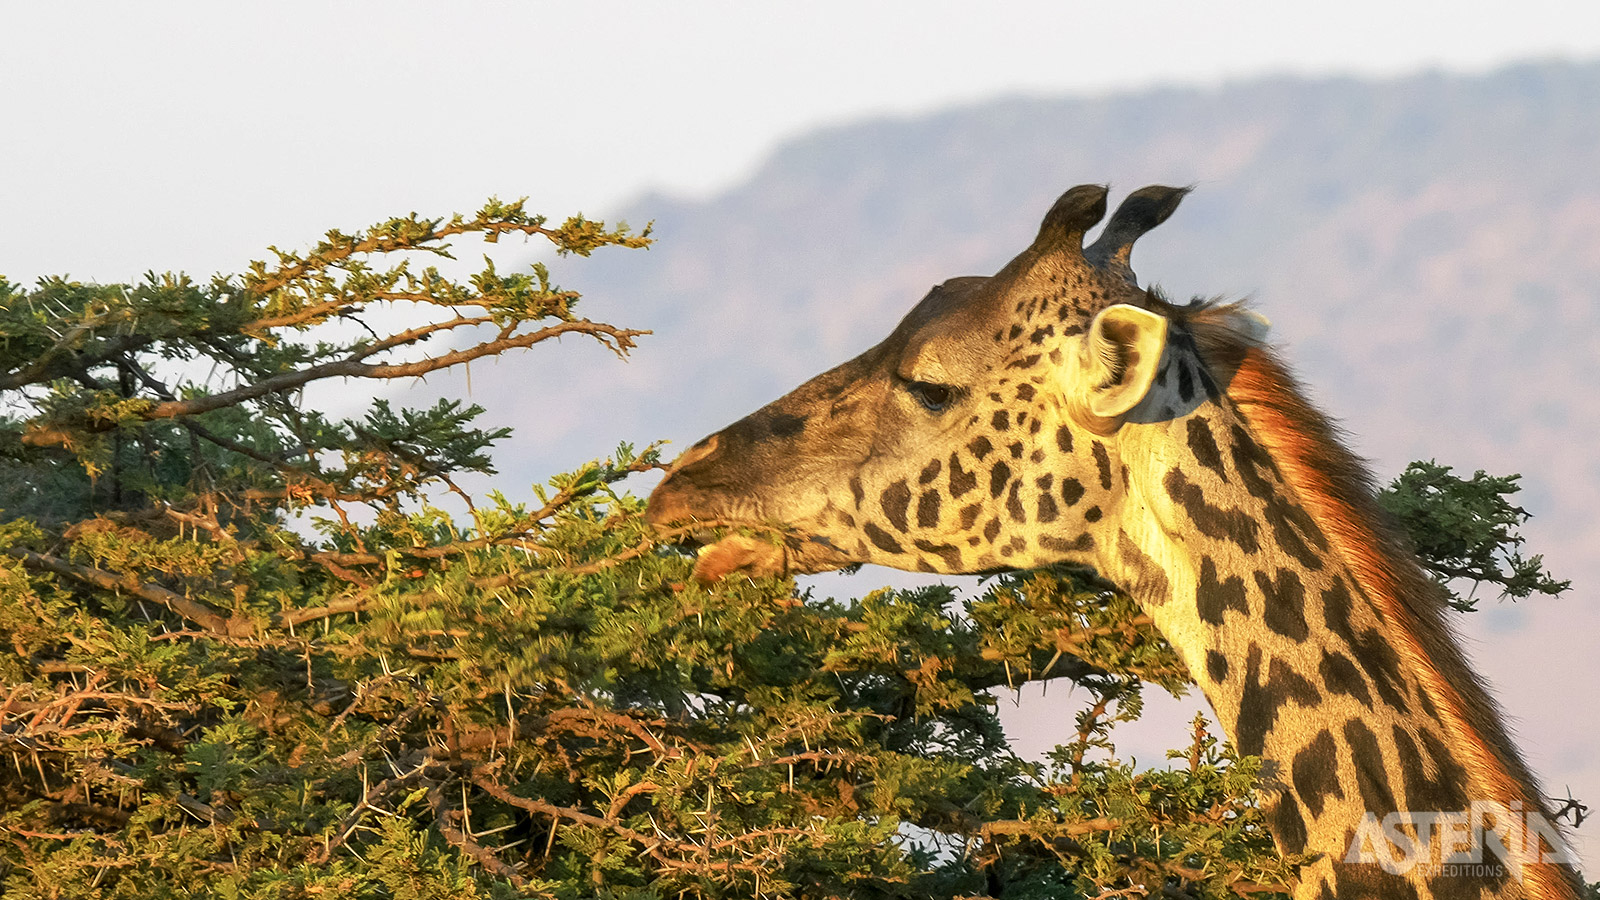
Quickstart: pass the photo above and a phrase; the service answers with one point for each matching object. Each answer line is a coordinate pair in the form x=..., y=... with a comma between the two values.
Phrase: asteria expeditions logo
x=1454, y=843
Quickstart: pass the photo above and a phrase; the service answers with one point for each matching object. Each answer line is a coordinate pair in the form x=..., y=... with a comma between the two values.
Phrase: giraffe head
x=980, y=434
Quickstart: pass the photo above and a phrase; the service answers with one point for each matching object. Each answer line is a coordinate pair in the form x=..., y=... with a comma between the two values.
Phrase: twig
x=619, y=339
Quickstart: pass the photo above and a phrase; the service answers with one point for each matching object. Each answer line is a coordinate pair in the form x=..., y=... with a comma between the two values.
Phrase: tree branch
x=619, y=339
x=320, y=260
x=175, y=602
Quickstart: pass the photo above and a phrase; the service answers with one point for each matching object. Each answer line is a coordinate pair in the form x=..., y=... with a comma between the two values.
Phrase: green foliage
x=206, y=696
x=1466, y=530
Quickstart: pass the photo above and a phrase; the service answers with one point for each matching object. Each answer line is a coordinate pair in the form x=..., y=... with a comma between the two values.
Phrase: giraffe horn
x=1141, y=211
x=1073, y=214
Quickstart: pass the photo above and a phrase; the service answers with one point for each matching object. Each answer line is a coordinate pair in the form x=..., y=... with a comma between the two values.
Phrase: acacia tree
x=202, y=695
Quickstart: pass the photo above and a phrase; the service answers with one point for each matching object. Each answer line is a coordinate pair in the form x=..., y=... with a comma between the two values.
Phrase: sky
x=190, y=136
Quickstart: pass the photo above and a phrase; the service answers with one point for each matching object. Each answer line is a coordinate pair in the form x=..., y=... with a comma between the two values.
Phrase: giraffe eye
x=933, y=397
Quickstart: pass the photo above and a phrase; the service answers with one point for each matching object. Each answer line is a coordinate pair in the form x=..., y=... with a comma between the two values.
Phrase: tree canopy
x=252, y=651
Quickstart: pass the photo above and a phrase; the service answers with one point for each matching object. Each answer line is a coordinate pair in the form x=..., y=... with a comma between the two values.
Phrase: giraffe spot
x=969, y=514
x=961, y=480
x=1027, y=362
x=1336, y=603
x=1102, y=462
x=1016, y=450
x=1382, y=666
x=1216, y=666
x=991, y=530
x=1212, y=521
x=1071, y=491
x=999, y=474
x=1055, y=357
x=1092, y=514
x=1039, y=334
x=1063, y=439
x=1444, y=758
x=1340, y=676
x=1291, y=525
x=855, y=490
x=1203, y=444
x=1260, y=700
x=928, y=509
x=1024, y=392
x=894, y=500
x=786, y=425
x=1035, y=426
x=1016, y=332
x=1373, y=881
x=929, y=472
x=1185, y=383
x=948, y=554
x=1371, y=779
x=1316, y=774
x=1444, y=790
x=1001, y=421
x=980, y=447
x=1253, y=464
x=1285, y=602
x=882, y=539
x=846, y=519
x=1081, y=544
x=1048, y=511
x=1014, y=503
x=1036, y=456
x=1286, y=824
x=1213, y=597
x=1149, y=581
x=1426, y=702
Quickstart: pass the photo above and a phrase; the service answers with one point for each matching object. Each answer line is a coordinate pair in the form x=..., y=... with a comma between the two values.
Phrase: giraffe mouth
x=764, y=555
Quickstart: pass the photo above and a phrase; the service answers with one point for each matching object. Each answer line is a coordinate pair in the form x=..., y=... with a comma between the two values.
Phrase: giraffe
x=1057, y=412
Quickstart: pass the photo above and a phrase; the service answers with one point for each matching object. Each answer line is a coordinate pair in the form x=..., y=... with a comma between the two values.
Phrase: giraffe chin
x=755, y=557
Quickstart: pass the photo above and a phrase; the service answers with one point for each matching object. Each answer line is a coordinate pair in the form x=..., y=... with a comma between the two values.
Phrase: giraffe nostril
x=704, y=448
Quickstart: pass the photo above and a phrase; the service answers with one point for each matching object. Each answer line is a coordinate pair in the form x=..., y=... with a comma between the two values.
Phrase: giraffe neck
x=1319, y=643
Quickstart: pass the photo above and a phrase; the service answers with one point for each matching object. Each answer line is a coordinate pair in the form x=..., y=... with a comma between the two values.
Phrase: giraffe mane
x=1336, y=488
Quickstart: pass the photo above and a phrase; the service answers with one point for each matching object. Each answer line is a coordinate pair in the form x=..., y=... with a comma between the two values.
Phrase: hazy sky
x=191, y=135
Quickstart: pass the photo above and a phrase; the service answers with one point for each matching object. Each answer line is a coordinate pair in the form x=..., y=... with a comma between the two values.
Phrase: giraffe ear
x=1121, y=357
